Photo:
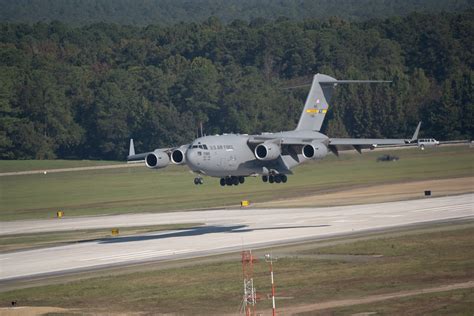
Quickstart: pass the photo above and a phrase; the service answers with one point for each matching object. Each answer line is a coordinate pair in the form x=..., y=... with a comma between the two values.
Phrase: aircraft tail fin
x=319, y=95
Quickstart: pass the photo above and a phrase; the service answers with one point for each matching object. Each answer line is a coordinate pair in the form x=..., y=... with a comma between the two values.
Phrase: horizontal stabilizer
x=352, y=81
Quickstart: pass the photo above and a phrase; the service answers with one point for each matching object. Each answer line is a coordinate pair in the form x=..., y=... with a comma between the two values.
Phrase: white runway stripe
x=444, y=208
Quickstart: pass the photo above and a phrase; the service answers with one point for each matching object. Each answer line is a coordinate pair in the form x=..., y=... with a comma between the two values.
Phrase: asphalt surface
x=225, y=231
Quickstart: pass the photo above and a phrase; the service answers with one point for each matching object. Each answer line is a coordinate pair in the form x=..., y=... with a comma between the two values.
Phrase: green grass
x=420, y=259
x=457, y=302
x=136, y=189
x=27, y=165
x=22, y=241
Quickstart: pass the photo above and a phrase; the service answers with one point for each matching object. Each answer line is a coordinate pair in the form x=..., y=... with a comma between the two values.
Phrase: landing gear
x=277, y=178
x=231, y=181
x=198, y=181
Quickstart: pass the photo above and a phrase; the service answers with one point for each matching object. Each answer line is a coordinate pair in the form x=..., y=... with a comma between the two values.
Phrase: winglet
x=415, y=134
x=131, y=150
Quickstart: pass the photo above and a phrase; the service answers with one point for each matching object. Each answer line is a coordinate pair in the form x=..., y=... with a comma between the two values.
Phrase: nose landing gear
x=198, y=180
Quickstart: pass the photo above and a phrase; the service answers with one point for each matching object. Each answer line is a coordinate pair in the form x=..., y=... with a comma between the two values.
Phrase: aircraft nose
x=191, y=157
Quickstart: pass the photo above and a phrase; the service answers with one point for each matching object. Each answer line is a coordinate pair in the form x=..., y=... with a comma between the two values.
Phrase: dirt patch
x=30, y=310
x=380, y=193
x=336, y=257
x=369, y=299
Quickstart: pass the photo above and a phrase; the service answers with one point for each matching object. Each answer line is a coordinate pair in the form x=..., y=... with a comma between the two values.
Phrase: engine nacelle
x=178, y=156
x=267, y=151
x=314, y=151
x=157, y=160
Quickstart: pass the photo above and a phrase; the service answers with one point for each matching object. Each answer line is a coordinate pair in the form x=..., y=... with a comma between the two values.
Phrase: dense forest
x=82, y=92
x=168, y=12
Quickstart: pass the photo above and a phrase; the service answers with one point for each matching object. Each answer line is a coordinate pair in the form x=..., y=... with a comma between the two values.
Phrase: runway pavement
x=225, y=231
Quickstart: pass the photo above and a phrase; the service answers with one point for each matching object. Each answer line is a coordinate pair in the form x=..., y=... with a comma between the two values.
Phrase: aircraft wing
x=283, y=140
x=336, y=144
x=138, y=157
x=132, y=157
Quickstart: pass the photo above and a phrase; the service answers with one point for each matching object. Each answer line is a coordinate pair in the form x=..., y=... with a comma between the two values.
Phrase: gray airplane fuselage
x=232, y=155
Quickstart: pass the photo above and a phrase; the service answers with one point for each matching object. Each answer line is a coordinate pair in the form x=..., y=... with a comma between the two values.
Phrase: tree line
x=82, y=92
x=169, y=12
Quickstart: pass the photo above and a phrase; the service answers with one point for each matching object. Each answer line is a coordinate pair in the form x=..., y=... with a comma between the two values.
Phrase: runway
x=224, y=231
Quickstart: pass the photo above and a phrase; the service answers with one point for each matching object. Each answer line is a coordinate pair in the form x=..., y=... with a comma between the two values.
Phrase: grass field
x=412, y=260
x=27, y=165
x=457, y=302
x=137, y=189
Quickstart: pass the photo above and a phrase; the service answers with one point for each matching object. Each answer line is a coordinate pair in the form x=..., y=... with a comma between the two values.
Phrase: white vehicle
x=427, y=142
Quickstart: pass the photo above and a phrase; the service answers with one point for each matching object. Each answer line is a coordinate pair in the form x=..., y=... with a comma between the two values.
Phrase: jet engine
x=178, y=156
x=267, y=151
x=157, y=159
x=315, y=150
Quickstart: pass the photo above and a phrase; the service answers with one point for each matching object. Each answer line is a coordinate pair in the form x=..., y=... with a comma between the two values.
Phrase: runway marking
x=349, y=221
x=139, y=254
x=444, y=208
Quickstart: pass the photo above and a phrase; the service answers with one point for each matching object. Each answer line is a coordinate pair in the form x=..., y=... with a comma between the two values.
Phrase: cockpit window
x=195, y=146
x=204, y=147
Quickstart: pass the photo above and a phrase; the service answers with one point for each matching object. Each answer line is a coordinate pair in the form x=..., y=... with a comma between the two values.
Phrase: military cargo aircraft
x=232, y=157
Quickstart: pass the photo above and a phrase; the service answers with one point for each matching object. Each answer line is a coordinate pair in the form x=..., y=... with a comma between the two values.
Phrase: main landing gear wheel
x=232, y=181
x=278, y=178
